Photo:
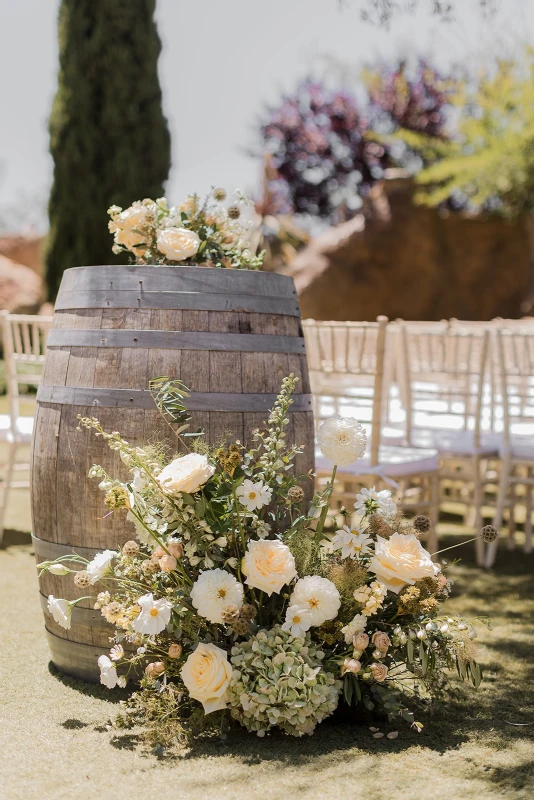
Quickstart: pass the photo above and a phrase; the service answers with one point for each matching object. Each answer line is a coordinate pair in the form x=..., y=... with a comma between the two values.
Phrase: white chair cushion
x=23, y=430
x=448, y=443
x=394, y=462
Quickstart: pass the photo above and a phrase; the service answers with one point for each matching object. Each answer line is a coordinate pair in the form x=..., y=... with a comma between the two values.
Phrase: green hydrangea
x=279, y=680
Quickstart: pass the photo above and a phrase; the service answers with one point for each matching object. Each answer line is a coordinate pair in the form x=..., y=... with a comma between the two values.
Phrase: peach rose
x=381, y=641
x=268, y=565
x=379, y=672
x=351, y=665
x=168, y=563
x=360, y=641
x=399, y=560
x=206, y=675
x=175, y=650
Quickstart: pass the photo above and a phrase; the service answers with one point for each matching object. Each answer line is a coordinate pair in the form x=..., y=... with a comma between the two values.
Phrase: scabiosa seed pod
x=234, y=212
x=421, y=523
x=489, y=533
x=130, y=549
x=219, y=194
x=240, y=626
x=248, y=612
x=150, y=566
x=295, y=494
x=230, y=614
x=82, y=579
x=379, y=526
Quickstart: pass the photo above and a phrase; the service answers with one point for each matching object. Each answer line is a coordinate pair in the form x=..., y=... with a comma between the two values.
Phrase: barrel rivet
x=135, y=339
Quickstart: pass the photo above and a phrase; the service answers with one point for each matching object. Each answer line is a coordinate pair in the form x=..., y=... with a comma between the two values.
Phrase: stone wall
x=413, y=262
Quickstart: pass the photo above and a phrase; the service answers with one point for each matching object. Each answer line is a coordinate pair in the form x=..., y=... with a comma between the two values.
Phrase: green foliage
x=108, y=135
x=491, y=159
x=169, y=395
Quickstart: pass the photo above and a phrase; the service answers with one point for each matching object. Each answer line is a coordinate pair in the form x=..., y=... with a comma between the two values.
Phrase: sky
x=235, y=56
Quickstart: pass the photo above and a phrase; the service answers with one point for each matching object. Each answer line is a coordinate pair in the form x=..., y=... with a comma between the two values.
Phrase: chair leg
x=432, y=541
x=477, y=501
x=506, y=469
x=511, y=520
x=528, y=520
x=8, y=478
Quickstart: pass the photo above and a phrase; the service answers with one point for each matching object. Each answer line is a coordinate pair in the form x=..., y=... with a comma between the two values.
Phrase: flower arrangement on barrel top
x=232, y=602
x=196, y=232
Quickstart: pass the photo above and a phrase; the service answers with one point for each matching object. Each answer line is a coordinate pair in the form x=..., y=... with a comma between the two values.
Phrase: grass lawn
x=54, y=743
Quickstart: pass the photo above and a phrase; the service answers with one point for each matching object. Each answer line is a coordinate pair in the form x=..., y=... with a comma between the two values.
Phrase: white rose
x=399, y=560
x=178, y=243
x=131, y=217
x=100, y=566
x=186, y=474
x=206, y=675
x=342, y=440
x=268, y=565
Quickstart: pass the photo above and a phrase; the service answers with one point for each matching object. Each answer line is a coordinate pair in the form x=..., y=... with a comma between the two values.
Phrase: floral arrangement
x=195, y=232
x=234, y=602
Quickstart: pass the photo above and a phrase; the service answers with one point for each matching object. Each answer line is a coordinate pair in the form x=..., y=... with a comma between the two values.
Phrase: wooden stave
x=70, y=366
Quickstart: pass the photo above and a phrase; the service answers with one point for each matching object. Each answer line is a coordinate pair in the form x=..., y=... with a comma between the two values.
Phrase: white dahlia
x=317, y=595
x=342, y=440
x=213, y=590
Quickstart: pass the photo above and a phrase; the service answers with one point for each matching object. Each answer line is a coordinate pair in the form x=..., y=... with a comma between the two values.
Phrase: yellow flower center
x=154, y=612
x=357, y=547
x=343, y=437
x=296, y=619
x=313, y=603
x=221, y=593
x=251, y=495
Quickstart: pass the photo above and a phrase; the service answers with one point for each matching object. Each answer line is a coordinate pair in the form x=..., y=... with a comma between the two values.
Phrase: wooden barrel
x=230, y=335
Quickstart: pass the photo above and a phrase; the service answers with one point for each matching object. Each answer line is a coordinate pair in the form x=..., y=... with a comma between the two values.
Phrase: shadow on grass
x=13, y=538
x=89, y=689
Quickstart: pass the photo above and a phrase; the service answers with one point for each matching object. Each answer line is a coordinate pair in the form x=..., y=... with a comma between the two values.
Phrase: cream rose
x=131, y=240
x=379, y=672
x=400, y=560
x=186, y=474
x=206, y=675
x=178, y=243
x=268, y=565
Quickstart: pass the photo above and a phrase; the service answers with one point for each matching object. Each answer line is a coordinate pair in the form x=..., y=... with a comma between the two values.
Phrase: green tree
x=108, y=135
x=490, y=158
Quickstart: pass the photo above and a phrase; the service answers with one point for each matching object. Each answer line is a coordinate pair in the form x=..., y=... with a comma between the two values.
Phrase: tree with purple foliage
x=322, y=160
x=415, y=100
x=325, y=151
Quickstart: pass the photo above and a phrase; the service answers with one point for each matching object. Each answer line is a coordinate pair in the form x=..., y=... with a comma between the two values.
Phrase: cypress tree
x=108, y=135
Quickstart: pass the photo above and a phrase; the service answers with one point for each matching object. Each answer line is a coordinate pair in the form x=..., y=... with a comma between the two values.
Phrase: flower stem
x=324, y=512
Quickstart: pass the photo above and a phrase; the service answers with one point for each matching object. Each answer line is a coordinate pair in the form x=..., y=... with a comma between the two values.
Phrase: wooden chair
x=24, y=343
x=443, y=373
x=347, y=362
x=514, y=353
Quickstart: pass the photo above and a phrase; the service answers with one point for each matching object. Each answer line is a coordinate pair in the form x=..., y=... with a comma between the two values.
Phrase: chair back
x=515, y=358
x=346, y=363
x=443, y=377
x=24, y=344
